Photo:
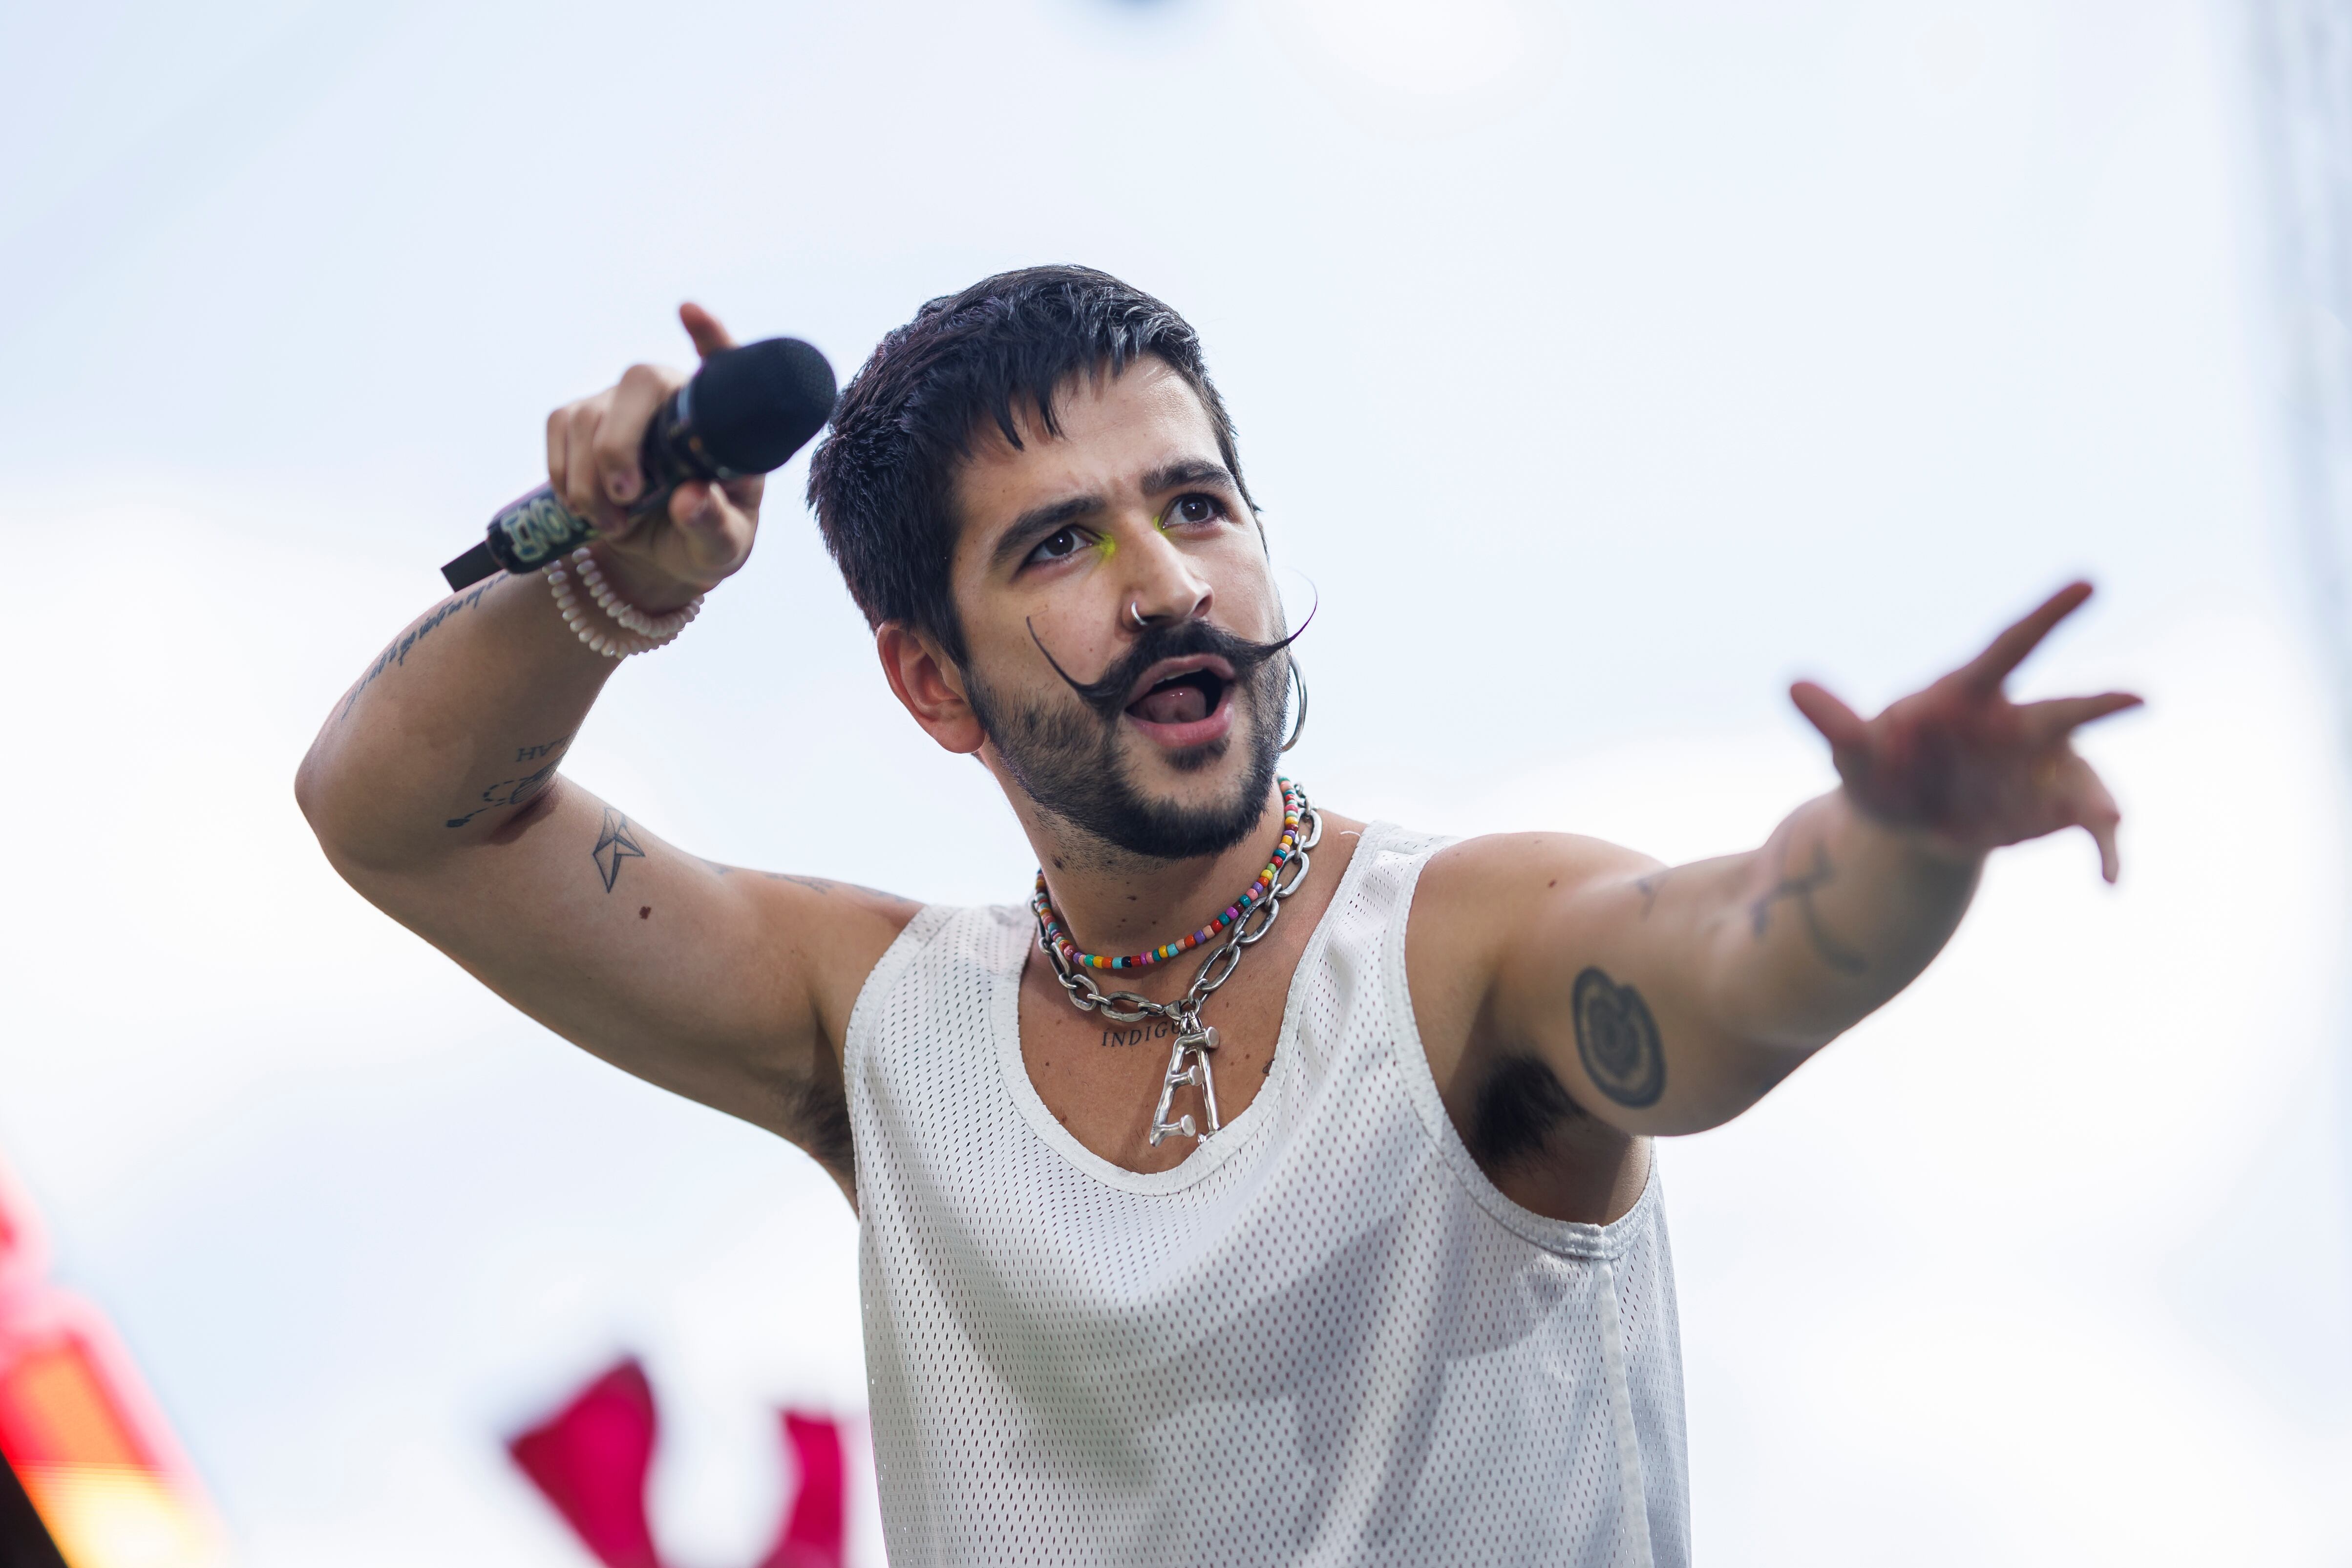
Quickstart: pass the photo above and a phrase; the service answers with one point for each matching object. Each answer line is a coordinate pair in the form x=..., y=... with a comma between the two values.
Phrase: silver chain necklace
x=1188, y=1059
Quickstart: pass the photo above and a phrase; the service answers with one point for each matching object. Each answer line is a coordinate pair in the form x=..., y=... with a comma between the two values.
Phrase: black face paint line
x=1108, y=695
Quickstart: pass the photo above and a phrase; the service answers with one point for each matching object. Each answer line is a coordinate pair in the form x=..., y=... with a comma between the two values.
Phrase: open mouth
x=1185, y=698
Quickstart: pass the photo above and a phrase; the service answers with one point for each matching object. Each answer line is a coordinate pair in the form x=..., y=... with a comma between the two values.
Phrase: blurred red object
x=87, y=1444
x=591, y=1459
x=816, y=1526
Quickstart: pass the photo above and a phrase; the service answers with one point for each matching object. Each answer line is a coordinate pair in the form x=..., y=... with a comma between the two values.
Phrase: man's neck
x=1114, y=902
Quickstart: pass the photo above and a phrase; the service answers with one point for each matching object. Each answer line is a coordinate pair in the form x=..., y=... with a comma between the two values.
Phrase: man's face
x=1159, y=738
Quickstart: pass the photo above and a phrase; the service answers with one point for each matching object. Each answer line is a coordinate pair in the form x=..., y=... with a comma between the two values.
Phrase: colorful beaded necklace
x=1294, y=806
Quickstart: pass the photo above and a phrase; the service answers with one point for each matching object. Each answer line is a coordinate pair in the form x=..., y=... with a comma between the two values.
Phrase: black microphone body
x=746, y=411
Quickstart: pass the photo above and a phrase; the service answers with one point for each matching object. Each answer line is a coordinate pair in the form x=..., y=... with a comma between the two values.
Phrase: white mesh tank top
x=1324, y=1338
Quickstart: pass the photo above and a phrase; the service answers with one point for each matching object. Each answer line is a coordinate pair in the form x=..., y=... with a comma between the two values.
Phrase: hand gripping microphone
x=746, y=411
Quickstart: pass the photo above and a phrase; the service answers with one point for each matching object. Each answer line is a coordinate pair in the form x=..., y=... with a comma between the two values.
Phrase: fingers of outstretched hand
x=2006, y=652
x=2093, y=809
x=2061, y=716
x=703, y=327
x=1839, y=724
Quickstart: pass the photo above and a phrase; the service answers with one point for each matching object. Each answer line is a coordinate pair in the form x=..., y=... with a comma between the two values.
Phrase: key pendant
x=1188, y=1068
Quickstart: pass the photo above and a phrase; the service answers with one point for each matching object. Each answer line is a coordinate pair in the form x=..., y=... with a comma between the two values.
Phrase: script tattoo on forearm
x=1799, y=891
x=1617, y=1040
x=515, y=791
x=397, y=652
x=616, y=842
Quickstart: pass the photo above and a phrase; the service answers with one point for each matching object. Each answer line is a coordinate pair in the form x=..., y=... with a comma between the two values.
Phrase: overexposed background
x=1604, y=367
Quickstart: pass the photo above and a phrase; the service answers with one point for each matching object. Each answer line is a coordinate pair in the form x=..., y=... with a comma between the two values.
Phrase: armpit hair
x=1518, y=1108
x=812, y=1111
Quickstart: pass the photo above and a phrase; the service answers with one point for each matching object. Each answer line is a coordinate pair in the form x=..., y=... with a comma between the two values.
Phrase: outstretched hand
x=1963, y=763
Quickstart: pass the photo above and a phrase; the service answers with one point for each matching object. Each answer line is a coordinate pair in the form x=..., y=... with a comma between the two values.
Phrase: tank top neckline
x=1240, y=1134
x=1324, y=1337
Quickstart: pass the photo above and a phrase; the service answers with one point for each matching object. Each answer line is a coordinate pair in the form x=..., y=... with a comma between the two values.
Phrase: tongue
x=1174, y=705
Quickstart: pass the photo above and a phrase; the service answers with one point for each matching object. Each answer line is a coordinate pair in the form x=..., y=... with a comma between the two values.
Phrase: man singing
x=1269, y=1186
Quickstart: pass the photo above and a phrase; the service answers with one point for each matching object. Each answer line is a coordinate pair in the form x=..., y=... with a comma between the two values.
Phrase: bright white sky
x=1603, y=366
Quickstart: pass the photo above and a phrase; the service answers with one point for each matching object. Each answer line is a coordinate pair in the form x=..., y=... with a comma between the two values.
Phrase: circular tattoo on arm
x=1617, y=1040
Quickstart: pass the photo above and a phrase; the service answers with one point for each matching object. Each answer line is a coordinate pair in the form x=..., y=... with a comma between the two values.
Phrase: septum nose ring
x=1137, y=616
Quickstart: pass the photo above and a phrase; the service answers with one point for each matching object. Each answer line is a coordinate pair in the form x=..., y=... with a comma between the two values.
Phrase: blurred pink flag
x=591, y=1459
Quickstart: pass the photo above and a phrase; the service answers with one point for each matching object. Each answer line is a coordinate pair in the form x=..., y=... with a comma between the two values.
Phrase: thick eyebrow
x=1188, y=471
x=1038, y=522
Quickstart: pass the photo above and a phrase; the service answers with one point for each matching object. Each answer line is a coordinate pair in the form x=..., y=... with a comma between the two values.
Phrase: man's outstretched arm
x=1669, y=1000
x=436, y=789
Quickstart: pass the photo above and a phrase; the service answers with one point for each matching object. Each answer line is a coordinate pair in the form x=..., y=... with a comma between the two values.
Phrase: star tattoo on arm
x=616, y=842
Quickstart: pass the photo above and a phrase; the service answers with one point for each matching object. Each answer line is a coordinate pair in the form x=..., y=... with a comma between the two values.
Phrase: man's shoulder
x=1477, y=898
x=973, y=938
x=1507, y=866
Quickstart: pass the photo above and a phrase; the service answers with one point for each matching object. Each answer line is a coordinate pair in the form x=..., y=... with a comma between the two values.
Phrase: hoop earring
x=1298, y=726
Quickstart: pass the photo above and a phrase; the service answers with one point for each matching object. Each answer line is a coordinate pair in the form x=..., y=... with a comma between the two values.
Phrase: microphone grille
x=754, y=407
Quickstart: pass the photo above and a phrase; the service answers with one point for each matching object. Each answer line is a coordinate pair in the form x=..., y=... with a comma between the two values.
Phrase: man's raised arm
x=1669, y=1000
x=434, y=788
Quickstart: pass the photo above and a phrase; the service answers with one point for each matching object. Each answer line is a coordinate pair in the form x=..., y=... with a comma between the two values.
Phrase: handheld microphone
x=746, y=411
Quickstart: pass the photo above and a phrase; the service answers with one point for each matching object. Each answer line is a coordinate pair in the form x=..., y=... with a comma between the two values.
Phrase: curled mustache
x=1107, y=696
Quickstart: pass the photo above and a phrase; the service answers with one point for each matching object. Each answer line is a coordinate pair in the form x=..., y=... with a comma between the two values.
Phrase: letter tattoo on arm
x=1617, y=1040
x=615, y=844
x=1800, y=891
x=515, y=791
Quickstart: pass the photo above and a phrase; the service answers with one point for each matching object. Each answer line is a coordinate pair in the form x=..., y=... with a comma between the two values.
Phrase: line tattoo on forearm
x=516, y=792
x=824, y=885
x=1799, y=891
x=397, y=652
x=1617, y=1040
x=616, y=842
x=1648, y=886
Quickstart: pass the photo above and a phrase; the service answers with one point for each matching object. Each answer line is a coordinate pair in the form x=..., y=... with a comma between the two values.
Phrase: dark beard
x=1067, y=757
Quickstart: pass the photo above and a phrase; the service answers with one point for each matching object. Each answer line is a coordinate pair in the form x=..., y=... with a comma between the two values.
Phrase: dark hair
x=882, y=483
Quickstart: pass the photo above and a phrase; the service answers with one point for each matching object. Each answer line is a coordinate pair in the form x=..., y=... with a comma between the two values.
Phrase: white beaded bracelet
x=636, y=631
x=660, y=628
